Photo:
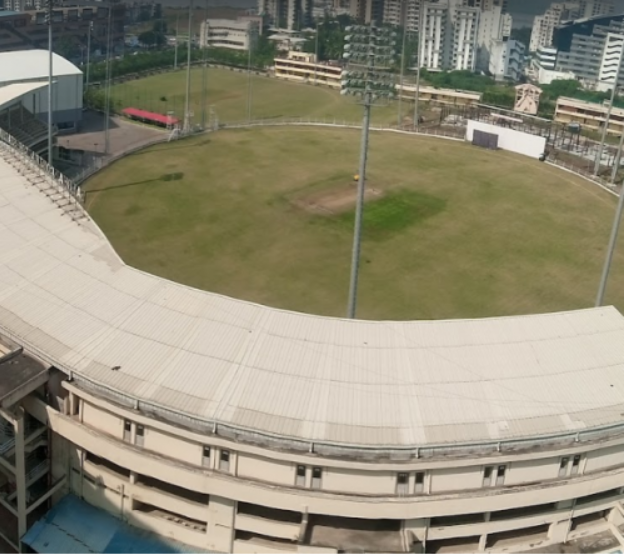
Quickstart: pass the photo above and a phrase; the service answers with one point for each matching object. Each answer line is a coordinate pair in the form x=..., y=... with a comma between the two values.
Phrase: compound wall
x=509, y=139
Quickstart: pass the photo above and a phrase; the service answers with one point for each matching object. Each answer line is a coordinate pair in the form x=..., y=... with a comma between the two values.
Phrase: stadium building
x=31, y=66
x=182, y=420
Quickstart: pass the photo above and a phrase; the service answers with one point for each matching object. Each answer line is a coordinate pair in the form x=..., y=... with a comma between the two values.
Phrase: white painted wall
x=509, y=139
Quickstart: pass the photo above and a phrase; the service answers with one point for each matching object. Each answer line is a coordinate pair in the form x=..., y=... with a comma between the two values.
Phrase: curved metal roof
x=28, y=65
x=66, y=296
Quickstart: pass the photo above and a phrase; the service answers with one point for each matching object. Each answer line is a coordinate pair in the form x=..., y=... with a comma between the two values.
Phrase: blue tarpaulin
x=74, y=526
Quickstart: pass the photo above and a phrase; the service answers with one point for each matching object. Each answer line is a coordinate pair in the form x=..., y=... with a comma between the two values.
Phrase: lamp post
x=369, y=53
x=107, y=107
x=89, y=53
x=415, y=122
x=401, y=76
x=609, y=114
x=249, y=72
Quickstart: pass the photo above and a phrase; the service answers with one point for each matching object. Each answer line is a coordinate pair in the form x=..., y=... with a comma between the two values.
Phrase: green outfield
x=227, y=92
x=451, y=230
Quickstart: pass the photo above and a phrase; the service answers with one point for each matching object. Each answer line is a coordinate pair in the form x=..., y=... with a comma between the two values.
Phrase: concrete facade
x=229, y=33
x=218, y=494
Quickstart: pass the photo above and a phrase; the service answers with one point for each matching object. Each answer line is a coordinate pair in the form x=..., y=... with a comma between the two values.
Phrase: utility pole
x=176, y=43
x=611, y=246
x=50, y=78
x=186, y=127
x=617, y=161
x=204, y=41
x=107, y=107
x=249, y=72
x=415, y=122
x=89, y=53
x=609, y=114
x=369, y=53
x=401, y=75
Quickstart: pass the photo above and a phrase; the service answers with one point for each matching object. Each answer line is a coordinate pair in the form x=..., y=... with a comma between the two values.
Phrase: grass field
x=450, y=230
x=227, y=92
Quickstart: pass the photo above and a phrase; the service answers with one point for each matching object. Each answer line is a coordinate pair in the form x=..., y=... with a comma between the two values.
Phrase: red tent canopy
x=150, y=116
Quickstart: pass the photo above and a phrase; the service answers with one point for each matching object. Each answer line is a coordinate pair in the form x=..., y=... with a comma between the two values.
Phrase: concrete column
x=482, y=544
x=81, y=410
x=20, y=472
x=220, y=529
x=559, y=531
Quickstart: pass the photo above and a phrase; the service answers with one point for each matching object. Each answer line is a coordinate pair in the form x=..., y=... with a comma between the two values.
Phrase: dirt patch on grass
x=335, y=201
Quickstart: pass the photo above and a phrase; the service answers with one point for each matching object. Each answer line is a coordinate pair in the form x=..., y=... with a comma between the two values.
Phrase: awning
x=74, y=526
x=150, y=116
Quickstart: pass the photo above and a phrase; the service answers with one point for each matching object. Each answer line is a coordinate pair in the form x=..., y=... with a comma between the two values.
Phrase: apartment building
x=590, y=49
x=449, y=33
x=544, y=25
x=290, y=15
x=229, y=33
x=507, y=59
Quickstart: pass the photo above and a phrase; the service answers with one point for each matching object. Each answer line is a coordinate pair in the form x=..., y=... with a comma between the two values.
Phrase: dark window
x=402, y=478
x=488, y=471
x=564, y=463
x=140, y=430
x=300, y=475
x=316, y=477
x=575, y=466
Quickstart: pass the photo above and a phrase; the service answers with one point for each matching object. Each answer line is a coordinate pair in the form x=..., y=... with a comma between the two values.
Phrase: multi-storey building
x=229, y=33
x=304, y=68
x=590, y=49
x=367, y=11
x=589, y=115
x=544, y=25
x=593, y=8
x=506, y=60
x=76, y=25
x=234, y=427
x=449, y=32
x=291, y=15
x=395, y=12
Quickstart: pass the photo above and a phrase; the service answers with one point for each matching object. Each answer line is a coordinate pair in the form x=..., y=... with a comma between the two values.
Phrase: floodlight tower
x=369, y=54
x=608, y=114
x=186, y=126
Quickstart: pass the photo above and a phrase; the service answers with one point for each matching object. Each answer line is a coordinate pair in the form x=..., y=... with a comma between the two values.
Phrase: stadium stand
x=25, y=127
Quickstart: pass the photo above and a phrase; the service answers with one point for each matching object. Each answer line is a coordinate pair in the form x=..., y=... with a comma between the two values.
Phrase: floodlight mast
x=611, y=246
x=50, y=77
x=368, y=50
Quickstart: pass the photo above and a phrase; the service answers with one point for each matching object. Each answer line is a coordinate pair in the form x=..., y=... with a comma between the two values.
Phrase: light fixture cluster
x=369, y=53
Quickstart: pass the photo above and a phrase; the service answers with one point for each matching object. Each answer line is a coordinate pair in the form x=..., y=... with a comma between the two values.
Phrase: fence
x=455, y=133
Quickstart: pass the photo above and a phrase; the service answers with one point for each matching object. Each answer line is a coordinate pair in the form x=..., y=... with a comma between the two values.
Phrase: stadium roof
x=28, y=65
x=69, y=299
x=10, y=93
